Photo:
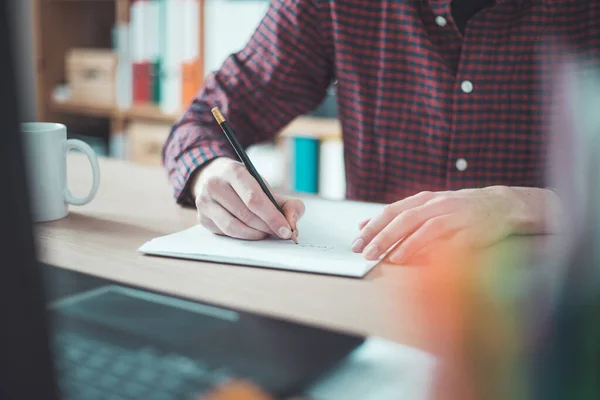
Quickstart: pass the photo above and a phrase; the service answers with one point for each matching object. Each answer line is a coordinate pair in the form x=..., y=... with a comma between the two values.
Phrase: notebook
x=326, y=233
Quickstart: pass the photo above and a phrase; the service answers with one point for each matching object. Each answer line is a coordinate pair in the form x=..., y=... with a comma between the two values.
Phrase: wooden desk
x=135, y=204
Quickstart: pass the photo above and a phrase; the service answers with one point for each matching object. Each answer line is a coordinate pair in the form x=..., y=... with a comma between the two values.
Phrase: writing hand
x=231, y=202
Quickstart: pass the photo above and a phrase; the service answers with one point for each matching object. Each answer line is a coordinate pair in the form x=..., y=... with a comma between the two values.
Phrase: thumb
x=293, y=209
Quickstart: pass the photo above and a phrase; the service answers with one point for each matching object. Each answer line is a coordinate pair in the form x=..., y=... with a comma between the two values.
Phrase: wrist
x=532, y=210
x=194, y=182
x=196, y=179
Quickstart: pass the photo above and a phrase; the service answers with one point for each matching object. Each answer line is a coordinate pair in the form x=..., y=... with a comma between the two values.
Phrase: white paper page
x=326, y=233
x=378, y=370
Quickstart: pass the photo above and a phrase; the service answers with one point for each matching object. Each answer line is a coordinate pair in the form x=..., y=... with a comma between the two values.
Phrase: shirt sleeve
x=282, y=72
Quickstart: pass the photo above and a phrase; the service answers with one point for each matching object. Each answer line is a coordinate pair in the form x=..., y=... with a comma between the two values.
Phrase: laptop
x=66, y=335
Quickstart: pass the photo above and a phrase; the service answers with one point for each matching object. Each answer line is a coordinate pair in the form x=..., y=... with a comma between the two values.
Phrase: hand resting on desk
x=465, y=218
x=230, y=202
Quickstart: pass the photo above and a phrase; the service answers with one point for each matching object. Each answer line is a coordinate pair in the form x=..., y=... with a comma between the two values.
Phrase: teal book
x=306, y=165
x=156, y=81
x=156, y=12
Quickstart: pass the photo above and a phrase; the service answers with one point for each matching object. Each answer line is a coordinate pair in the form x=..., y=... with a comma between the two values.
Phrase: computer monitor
x=25, y=358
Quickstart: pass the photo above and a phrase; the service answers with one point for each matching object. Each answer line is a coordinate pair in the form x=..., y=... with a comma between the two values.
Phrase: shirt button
x=467, y=86
x=441, y=21
x=461, y=164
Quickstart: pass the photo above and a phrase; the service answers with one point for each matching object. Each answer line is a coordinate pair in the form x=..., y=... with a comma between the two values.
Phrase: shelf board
x=143, y=111
x=313, y=127
x=71, y=107
x=149, y=112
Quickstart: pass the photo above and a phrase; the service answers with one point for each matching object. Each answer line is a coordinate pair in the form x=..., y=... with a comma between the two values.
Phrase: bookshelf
x=61, y=25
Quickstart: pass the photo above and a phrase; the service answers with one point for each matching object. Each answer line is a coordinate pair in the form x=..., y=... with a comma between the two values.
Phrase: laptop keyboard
x=89, y=369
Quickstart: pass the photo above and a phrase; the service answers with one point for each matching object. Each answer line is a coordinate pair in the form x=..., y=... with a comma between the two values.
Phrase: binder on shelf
x=306, y=165
x=268, y=160
x=124, y=75
x=140, y=59
x=141, y=82
x=191, y=67
x=286, y=148
x=332, y=176
x=117, y=145
x=191, y=74
x=172, y=52
x=152, y=47
x=165, y=52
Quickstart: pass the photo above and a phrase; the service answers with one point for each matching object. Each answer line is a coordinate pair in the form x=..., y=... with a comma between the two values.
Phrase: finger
x=431, y=230
x=293, y=209
x=209, y=224
x=362, y=224
x=377, y=223
x=230, y=200
x=257, y=201
x=230, y=225
x=404, y=224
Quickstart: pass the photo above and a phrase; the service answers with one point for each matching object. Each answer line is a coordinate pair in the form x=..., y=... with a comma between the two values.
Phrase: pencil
x=241, y=153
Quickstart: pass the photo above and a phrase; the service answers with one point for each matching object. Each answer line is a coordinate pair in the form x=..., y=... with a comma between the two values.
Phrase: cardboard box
x=145, y=141
x=91, y=75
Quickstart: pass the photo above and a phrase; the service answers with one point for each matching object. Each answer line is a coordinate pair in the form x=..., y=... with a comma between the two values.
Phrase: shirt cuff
x=191, y=161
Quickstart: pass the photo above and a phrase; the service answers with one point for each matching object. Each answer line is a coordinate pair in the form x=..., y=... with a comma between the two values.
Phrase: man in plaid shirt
x=441, y=104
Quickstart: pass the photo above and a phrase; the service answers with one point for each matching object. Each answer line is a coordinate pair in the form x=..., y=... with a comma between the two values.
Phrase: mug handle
x=87, y=150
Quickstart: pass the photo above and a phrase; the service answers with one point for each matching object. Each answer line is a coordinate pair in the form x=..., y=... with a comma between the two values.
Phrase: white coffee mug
x=45, y=150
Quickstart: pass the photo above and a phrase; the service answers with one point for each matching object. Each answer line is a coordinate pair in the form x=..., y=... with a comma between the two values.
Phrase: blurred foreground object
x=566, y=362
x=237, y=390
x=473, y=321
x=519, y=326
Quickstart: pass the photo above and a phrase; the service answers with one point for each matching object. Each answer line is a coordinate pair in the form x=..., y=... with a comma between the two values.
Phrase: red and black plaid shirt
x=422, y=107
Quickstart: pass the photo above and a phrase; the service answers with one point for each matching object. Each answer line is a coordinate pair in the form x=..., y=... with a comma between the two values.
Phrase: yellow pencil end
x=217, y=114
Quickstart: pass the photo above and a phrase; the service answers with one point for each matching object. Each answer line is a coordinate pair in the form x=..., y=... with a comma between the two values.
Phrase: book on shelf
x=124, y=75
x=191, y=73
x=315, y=165
x=332, y=174
x=159, y=54
x=306, y=164
x=140, y=57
